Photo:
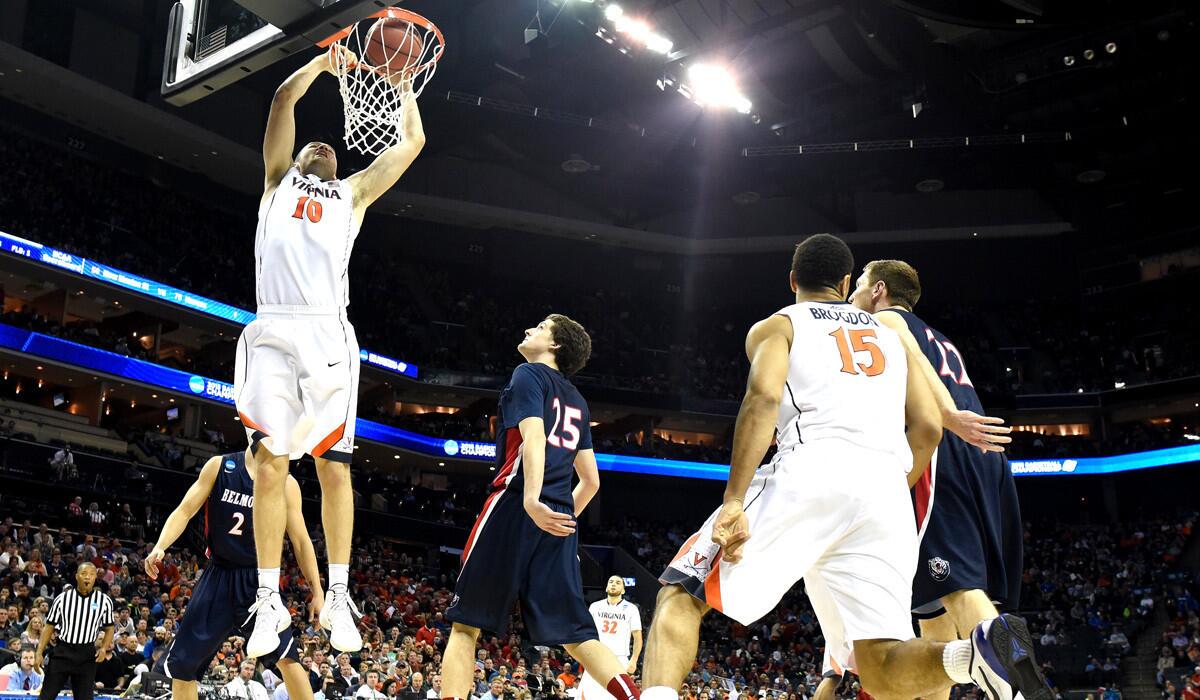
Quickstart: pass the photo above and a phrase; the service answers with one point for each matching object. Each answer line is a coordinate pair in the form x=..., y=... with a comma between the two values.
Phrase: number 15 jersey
x=847, y=378
x=306, y=231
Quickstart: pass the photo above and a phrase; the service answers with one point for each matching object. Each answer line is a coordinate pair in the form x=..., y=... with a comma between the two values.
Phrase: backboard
x=213, y=43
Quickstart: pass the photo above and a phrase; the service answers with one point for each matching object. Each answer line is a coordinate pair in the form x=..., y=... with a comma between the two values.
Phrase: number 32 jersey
x=616, y=625
x=306, y=231
x=847, y=379
x=229, y=515
x=537, y=390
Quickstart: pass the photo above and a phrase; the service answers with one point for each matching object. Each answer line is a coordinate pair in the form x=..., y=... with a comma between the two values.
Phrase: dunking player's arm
x=922, y=419
x=984, y=432
x=386, y=169
x=533, y=461
x=767, y=346
x=279, y=141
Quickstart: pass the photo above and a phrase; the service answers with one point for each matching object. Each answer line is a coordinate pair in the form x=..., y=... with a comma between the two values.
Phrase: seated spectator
x=23, y=677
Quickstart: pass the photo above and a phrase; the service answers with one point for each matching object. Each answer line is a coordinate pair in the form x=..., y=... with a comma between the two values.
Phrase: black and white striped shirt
x=79, y=619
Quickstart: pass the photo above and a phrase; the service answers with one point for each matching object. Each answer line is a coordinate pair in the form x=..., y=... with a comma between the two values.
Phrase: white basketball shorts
x=590, y=688
x=832, y=513
x=294, y=362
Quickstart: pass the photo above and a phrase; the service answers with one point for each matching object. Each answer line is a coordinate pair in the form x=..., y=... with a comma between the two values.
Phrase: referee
x=77, y=614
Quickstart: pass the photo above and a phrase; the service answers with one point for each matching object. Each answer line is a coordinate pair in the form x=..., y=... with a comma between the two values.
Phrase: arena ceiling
x=822, y=74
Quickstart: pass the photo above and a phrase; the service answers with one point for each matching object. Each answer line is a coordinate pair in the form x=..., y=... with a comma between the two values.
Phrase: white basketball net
x=373, y=96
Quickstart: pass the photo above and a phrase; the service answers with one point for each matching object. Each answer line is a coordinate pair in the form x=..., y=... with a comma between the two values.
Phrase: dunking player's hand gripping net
x=296, y=381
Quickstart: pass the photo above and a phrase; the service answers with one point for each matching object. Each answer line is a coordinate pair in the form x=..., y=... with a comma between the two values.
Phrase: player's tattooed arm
x=985, y=432
x=177, y=522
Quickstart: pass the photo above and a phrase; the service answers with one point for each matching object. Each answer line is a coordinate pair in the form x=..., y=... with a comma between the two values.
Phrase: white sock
x=339, y=573
x=956, y=658
x=660, y=692
x=269, y=578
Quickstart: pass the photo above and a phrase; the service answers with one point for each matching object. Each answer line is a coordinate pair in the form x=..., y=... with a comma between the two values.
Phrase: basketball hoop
x=393, y=46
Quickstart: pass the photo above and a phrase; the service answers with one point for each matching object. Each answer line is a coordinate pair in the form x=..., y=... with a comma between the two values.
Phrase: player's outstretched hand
x=557, y=524
x=152, y=561
x=731, y=530
x=631, y=667
x=987, y=433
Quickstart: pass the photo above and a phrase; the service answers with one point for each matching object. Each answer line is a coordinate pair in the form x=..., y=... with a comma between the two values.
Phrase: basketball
x=394, y=43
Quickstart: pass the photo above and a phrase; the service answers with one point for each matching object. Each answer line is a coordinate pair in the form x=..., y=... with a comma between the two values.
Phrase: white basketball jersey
x=616, y=624
x=306, y=230
x=848, y=379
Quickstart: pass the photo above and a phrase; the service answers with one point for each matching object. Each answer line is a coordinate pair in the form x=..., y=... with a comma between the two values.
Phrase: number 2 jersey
x=229, y=515
x=537, y=390
x=847, y=379
x=306, y=231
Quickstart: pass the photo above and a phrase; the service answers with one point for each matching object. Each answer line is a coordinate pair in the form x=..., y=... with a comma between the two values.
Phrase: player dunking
x=296, y=382
x=967, y=508
x=618, y=622
x=227, y=588
x=838, y=391
x=523, y=546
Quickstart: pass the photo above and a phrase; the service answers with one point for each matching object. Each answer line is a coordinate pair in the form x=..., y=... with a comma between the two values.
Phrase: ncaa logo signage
x=939, y=568
x=230, y=465
x=196, y=384
x=450, y=447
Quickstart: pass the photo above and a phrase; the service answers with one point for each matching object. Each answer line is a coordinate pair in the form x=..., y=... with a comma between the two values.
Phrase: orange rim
x=396, y=13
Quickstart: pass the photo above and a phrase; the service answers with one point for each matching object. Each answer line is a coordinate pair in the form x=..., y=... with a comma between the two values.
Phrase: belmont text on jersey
x=244, y=500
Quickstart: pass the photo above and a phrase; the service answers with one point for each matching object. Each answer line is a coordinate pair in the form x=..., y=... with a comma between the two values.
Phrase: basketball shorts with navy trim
x=832, y=513
x=216, y=612
x=969, y=521
x=509, y=559
x=295, y=361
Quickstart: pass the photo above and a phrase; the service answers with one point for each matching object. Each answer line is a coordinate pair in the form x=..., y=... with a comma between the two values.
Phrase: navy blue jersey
x=537, y=390
x=946, y=360
x=229, y=515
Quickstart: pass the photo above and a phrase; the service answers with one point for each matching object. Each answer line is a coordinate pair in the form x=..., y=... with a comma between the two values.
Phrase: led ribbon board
x=169, y=379
x=163, y=292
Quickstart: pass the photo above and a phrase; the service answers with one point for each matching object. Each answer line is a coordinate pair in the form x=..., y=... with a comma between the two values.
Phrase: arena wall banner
x=157, y=376
x=162, y=292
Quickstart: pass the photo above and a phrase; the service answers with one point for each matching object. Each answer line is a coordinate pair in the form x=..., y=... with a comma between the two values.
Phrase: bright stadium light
x=613, y=12
x=710, y=85
x=659, y=44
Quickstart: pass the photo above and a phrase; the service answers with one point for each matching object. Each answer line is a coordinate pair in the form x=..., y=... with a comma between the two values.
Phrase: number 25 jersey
x=847, y=378
x=306, y=231
x=537, y=390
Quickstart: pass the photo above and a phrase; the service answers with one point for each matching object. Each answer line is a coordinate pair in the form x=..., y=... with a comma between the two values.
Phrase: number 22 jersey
x=537, y=390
